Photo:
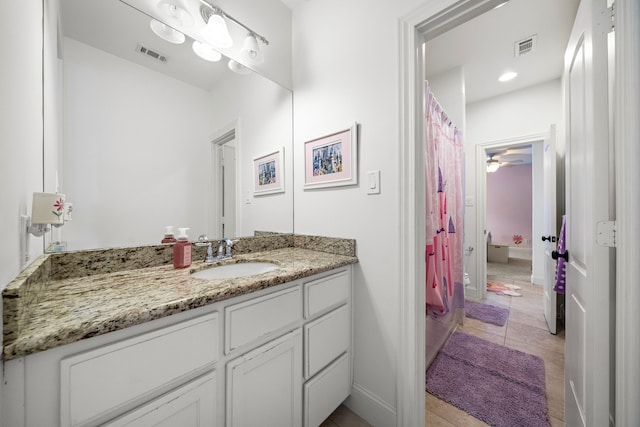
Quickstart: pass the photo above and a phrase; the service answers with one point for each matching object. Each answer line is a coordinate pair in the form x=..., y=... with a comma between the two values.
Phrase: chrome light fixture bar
x=207, y=10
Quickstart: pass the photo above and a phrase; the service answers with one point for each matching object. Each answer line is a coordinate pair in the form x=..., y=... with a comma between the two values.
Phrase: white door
x=228, y=191
x=550, y=228
x=588, y=362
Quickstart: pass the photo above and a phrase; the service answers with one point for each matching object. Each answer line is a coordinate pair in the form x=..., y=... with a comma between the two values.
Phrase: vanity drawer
x=194, y=403
x=325, y=339
x=326, y=391
x=250, y=320
x=105, y=380
x=326, y=292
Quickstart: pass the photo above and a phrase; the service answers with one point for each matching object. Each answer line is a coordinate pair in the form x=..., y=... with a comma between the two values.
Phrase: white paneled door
x=588, y=358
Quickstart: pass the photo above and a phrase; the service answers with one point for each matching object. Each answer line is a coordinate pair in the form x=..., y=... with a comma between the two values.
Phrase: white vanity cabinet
x=277, y=357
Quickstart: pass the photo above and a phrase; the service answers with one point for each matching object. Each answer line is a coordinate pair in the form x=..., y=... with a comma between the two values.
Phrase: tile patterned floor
x=526, y=330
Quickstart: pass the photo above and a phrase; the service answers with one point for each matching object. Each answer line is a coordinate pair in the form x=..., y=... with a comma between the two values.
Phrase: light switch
x=373, y=182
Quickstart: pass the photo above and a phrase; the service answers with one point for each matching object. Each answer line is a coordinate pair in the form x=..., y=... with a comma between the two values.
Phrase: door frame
x=627, y=175
x=218, y=138
x=481, y=197
x=410, y=405
x=437, y=15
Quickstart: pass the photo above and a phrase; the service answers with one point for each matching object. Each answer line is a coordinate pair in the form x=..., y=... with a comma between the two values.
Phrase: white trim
x=376, y=411
x=410, y=405
x=627, y=159
x=481, y=197
x=214, y=217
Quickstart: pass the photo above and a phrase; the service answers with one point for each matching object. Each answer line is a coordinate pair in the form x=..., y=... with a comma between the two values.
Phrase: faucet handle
x=203, y=241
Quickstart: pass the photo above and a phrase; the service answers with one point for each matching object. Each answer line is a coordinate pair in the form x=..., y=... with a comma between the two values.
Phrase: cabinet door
x=264, y=386
x=192, y=405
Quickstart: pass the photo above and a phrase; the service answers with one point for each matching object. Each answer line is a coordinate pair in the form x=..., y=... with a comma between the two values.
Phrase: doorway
x=413, y=25
x=223, y=185
x=511, y=190
x=438, y=19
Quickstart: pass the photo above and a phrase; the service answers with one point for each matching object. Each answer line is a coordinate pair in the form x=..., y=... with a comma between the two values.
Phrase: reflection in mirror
x=145, y=126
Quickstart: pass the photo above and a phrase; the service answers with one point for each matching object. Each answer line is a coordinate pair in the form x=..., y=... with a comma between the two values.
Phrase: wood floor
x=526, y=330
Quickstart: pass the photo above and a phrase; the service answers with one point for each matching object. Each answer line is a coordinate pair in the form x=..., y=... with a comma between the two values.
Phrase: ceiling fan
x=492, y=164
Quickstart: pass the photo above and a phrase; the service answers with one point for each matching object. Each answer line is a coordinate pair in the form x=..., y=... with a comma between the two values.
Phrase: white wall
x=136, y=151
x=21, y=129
x=345, y=62
x=21, y=133
x=448, y=87
x=517, y=114
x=263, y=112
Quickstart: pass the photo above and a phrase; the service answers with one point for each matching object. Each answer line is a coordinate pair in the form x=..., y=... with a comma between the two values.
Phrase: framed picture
x=268, y=173
x=332, y=160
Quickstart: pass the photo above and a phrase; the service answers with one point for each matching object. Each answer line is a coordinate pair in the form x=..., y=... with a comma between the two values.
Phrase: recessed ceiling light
x=507, y=76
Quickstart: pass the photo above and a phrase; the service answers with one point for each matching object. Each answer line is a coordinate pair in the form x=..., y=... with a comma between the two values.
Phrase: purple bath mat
x=498, y=385
x=486, y=313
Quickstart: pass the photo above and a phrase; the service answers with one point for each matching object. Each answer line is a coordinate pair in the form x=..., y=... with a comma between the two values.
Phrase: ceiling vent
x=525, y=45
x=150, y=53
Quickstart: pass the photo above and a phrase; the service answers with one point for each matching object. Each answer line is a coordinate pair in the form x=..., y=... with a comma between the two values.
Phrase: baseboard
x=518, y=252
x=537, y=280
x=370, y=407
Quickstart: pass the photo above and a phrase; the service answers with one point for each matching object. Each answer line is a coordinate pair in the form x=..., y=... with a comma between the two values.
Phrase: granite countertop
x=69, y=309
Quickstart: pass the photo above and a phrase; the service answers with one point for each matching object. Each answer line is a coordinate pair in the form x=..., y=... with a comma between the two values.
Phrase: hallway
x=526, y=330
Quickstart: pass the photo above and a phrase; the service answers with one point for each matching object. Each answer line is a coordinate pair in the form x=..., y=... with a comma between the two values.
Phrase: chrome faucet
x=224, y=248
x=221, y=249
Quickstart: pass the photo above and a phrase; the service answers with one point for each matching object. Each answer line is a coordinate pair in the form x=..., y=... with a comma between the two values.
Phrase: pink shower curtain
x=444, y=167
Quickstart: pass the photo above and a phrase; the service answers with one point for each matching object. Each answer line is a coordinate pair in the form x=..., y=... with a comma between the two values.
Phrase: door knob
x=556, y=255
x=549, y=238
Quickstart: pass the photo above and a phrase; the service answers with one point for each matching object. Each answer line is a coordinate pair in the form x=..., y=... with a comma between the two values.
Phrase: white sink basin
x=230, y=271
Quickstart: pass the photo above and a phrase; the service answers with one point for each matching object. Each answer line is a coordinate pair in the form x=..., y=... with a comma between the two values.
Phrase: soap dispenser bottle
x=168, y=235
x=182, y=250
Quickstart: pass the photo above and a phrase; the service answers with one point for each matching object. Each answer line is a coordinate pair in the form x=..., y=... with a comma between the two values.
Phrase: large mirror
x=153, y=135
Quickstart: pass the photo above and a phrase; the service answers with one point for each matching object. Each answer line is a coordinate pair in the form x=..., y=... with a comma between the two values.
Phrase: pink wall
x=509, y=204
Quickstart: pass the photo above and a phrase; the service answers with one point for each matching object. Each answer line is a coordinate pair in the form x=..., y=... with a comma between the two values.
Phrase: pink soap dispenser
x=182, y=250
x=168, y=235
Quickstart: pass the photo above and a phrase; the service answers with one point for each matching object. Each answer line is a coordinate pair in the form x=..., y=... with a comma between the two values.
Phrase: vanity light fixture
x=238, y=68
x=206, y=52
x=175, y=15
x=250, y=51
x=216, y=31
x=166, y=33
x=510, y=75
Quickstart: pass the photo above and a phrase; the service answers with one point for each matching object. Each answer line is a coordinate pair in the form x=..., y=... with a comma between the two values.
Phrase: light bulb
x=206, y=52
x=166, y=33
x=216, y=32
x=237, y=67
x=250, y=51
